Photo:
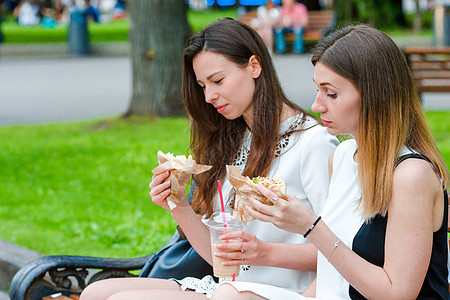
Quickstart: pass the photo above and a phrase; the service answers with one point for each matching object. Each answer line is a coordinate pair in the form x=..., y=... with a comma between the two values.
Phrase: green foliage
x=112, y=31
x=14, y=33
x=199, y=19
x=383, y=14
x=427, y=20
x=81, y=188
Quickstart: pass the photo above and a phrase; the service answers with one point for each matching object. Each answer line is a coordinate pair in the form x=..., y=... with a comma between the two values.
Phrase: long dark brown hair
x=214, y=139
x=391, y=114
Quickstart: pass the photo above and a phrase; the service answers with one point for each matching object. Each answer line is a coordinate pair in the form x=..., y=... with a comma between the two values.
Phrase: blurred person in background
x=293, y=19
x=28, y=13
x=92, y=11
x=267, y=16
x=119, y=11
x=9, y=5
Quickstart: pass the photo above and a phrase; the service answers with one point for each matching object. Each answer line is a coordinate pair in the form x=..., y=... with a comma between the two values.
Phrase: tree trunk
x=417, y=24
x=158, y=35
x=345, y=11
x=399, y=16
x=349, y=9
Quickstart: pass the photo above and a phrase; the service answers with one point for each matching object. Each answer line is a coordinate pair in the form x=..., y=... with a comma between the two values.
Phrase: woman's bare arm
x=412, y=221
x=409, y=238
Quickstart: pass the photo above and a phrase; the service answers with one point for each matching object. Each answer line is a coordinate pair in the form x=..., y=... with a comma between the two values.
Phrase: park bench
x=68, y=275
x=430, y=68
x=321, y=22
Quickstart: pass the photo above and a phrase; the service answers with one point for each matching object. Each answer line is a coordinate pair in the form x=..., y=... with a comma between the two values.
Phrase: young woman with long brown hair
x=383, y=231
x=239, y=116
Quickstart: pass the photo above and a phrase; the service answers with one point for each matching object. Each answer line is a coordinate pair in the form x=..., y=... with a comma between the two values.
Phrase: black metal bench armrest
x=68, y=274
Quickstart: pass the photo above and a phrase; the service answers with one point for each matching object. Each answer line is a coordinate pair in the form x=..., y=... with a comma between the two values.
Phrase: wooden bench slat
x=434, y=88
x=319, y=21
x=432, y=76
x=444, y=62
x=430, y=68
x=428, y=73
x=312, y=36
x=424, y=51
x=437, y=75
x=427, y=59
x=433, y=81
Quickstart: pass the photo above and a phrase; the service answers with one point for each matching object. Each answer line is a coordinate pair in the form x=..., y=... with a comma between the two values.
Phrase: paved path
x=57, y=89
x=46, y=90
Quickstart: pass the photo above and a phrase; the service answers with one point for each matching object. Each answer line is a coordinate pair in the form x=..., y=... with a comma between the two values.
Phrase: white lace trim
x=206, y=285
x=286, y=130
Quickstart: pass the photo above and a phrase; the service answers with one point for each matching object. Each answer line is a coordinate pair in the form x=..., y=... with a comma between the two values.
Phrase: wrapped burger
x=245, y=187
x=181, y=169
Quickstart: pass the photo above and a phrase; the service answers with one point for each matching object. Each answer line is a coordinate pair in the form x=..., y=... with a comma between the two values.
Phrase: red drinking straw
x=223, y=214
x=221, y=204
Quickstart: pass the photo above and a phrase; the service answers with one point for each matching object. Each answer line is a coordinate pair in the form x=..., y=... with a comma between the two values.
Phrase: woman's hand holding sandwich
x=290, y=215
x=160, y=190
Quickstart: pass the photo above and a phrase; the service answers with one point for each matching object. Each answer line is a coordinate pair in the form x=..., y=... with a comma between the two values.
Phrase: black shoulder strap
x=410, y=155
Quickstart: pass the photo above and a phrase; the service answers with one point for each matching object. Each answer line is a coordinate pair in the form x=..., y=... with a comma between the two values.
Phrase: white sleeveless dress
x=342, y=217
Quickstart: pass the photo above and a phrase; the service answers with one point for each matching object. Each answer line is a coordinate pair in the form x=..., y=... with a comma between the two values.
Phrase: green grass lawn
x=439, y=123
x=81, y=188
x=112, y=31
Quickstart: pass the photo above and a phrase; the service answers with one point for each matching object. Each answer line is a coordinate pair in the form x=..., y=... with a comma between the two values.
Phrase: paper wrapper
x=181, y=170
x=243, y=190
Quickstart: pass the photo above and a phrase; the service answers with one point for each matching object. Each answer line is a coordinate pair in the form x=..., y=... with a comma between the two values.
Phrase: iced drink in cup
x=216, y=229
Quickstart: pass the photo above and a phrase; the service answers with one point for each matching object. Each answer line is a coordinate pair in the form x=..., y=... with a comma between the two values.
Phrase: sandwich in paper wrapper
x=245, y=187
x=181, y=170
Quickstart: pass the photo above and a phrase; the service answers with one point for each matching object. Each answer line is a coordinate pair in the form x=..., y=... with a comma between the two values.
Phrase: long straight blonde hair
x=391, y=114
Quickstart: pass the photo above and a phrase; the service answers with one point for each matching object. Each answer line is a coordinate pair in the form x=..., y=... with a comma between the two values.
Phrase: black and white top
x=301, y=160
x=367, y=239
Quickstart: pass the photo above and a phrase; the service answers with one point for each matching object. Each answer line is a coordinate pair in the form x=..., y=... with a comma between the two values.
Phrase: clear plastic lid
x=216, y=221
